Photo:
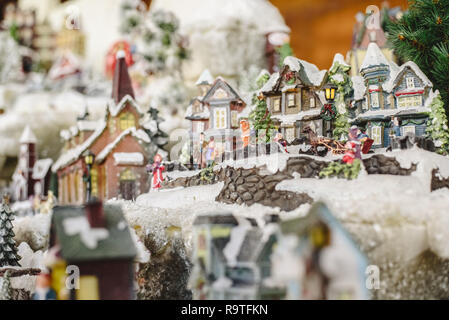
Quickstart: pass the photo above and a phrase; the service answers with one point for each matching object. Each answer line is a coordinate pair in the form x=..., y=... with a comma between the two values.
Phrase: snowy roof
x=386, y=113
x=41, y=168
x=80, y=242
x=205, y=78
x=396, y=75
x=73, y=154
x=269, y=85
x=340, y=59
x=67, y=64
x=292, y=118
x=129, y=158
x=138, y=133
x=204, y=114
x=114, y=109
x=358, y=83
x=87, y=125
x=311, y=71
x=27, y=136
x=374, y=57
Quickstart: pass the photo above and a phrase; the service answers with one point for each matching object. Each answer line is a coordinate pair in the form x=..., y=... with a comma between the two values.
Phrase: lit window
x=376, y=135
x=220, y=118
x=413, y=101
x=127, y=175
x=88, y=289
x=375, y=100
x=94, y=181
x=291, y=100
x=127, y=121
x=408, y=129
x=234, y=119
x=410, y=83
x=312, y=103
x=290, y=134
x=276, y=105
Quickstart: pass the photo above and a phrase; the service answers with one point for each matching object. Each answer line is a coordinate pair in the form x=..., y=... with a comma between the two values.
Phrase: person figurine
x=43, y=288
x=353, y=149
x=279, y=138
x=246, y=132
x=395, y=126
x=210, y=153
x=156, y=168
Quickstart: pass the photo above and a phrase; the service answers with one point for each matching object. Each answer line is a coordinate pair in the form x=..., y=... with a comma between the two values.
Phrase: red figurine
x=157, y=168
x=352, y=146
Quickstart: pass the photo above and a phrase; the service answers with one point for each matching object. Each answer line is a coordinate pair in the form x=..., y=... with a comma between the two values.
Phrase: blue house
x=396, y=99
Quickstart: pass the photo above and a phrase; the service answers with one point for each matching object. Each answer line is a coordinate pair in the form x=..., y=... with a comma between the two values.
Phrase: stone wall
x=380, y=164
x=437, y=181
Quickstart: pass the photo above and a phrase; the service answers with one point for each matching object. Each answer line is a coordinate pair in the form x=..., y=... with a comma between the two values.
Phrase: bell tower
x=27, y=159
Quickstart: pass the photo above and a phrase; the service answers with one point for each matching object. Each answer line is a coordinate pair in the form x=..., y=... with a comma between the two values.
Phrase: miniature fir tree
x=260, y=116
x=422, y=36
x=5, y=287
x=8, y=248
x=284, y=51
x=151, y=125
x=437, y=127
x=339, y=76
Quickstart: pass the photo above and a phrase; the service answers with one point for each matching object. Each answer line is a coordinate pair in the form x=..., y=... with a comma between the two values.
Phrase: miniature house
x=391, y=92
x=317, y=259
x=292, y=99
x=118, y=144
x=32, y=175
x=231, y=259
x=95, y=239
x=216, y=114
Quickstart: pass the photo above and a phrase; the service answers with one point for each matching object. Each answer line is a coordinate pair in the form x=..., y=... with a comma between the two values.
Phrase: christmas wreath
x=328, y=112
x=290, y=77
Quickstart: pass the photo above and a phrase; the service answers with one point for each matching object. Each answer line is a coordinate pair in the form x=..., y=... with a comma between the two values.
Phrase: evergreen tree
x=151, y=125
x=422, y=36
x=284, y=51
x=437, y=127
x=260, y=116
x=339, y=76
x=5, y=288
x=8, y=248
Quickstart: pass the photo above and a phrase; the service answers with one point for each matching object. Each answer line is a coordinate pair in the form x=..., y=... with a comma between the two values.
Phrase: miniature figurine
x=352, y=146
x=210, y=153
x=156, y=168
x=43, y=289
x=279, y=138
x=395, y=126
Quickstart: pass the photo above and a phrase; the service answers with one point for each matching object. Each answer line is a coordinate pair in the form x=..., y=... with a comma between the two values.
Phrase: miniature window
x=375, y=99
x=234, y=119
x=376, y=135
x=291, y=103
x=413, y=101
x=290, y=134
x=312, y=103
x=220, y=118
x=127, y=121
x=112, y=125
x=94, y=182
x=408, y=129
x=88, y=289
x=410, y=83
x=276, y=104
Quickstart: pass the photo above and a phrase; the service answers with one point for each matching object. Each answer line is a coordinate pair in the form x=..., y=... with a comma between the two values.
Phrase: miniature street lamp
x=329, y=90
x=328, y=111
x=89, y=160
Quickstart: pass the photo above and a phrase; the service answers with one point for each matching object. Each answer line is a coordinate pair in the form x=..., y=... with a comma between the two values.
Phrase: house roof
x=221, y=83
x=79, y=242
x=81, y=125
x=114, y=108
x=205, y=78
x=396, y=76
x=121, y=83
x=358, y=83
x=41, y=168
x=138, y=133
x=374, y=57
x=66, y=64
x=27, y=136
x=308, y=72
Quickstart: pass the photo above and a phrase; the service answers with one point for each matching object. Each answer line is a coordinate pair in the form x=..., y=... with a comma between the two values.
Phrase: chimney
x=95, y=214
x=121, y=83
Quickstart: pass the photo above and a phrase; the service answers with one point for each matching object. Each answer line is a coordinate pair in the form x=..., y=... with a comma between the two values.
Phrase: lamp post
x=328, y=112
x=89, y=160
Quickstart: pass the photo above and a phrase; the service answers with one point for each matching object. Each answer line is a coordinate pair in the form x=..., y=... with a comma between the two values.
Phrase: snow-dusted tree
x=437, y=128
x=10, y=58
x=150, y=124
x=5, y=287
x=339, y=76
x=8, y=248
x=260, y=117
x=184, y=157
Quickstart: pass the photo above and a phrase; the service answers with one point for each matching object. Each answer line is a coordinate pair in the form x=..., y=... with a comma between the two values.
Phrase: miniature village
x=179, y=170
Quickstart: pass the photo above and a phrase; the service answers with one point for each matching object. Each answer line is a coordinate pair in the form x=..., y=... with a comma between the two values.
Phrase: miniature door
x=127, y=185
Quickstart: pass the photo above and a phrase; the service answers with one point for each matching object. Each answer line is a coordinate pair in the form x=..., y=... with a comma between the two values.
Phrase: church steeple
x=121, y=84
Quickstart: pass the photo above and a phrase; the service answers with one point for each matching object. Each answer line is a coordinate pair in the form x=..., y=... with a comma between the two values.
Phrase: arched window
x=127, y=121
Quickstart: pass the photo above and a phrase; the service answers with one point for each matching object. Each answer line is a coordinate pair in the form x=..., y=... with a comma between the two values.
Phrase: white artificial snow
x=269, y=85
x=358, y=83
x=395, y=76
x=222, y=283
x=292, y=118
x=205, y=78
x=182, y=174
x=340, y=59
x=143, y=255
x=232, y=248
x=374, y=57
x=88, y=236
x=34, y=230
x=41, y=168
x=312, y=72
x=115, y=109
x=133, y=158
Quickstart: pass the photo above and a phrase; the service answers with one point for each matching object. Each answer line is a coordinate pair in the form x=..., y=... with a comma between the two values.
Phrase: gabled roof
x=41, y=168
x=204, y=114
x=138, y=133
x=115, y=242
x=205, y=78
x=121, y=83
x=374, y=57
x=27, y=136
x=66, y=64
x=396, y=76
x=220, y=83
x=115, y=108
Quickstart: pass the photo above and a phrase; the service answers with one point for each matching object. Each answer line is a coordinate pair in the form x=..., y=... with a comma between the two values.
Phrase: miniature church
x=117, y=147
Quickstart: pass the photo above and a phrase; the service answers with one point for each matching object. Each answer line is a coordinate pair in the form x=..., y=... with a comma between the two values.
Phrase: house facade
x=118, y=144
x=216, y=114
x=396, y=99
x=292, y=98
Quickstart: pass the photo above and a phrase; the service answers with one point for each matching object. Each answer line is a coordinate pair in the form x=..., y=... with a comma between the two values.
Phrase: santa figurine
x=353, y=148
x=156, y=168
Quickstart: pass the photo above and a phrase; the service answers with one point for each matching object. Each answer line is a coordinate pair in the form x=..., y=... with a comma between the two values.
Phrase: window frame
x=408, y=82
x=276, y=105
x=291, y=97
x=220, y=118
x=378, y=136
